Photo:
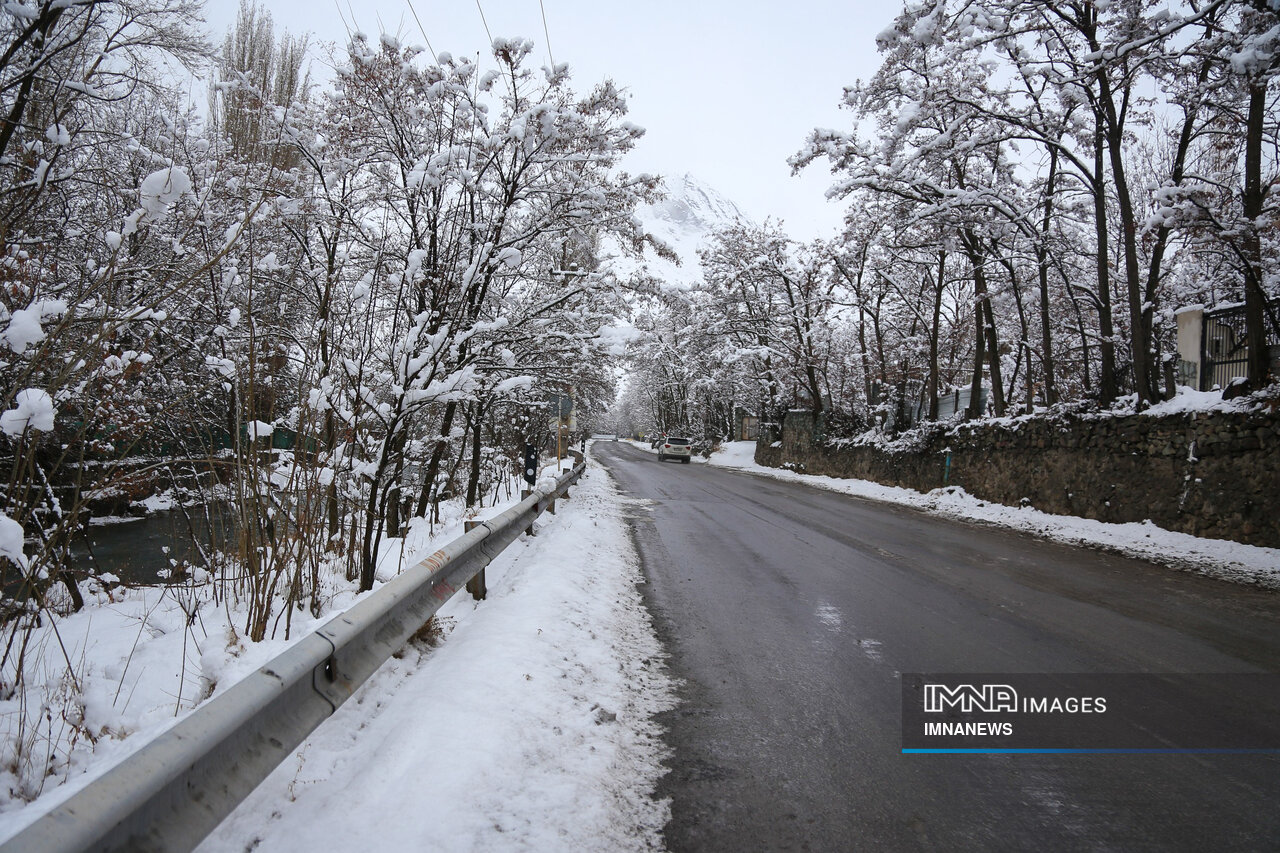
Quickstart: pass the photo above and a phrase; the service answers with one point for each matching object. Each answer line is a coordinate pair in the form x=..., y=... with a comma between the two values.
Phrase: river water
x=145, y=550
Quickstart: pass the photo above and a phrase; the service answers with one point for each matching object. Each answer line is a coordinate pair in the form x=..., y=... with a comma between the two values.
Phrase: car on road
x=675, y=448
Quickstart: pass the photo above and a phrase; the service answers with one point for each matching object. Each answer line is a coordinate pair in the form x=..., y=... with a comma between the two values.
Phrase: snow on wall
x=1213, y=474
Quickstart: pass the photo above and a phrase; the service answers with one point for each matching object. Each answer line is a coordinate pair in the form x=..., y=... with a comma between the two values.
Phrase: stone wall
x=1215, y=475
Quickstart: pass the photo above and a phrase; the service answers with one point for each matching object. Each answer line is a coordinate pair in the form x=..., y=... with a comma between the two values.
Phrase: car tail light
x=666, y=447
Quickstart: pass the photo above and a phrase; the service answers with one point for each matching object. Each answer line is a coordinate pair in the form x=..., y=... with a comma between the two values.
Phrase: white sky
x=726, y=90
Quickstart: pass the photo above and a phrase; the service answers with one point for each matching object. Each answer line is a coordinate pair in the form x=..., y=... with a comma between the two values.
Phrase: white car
x=675, y=448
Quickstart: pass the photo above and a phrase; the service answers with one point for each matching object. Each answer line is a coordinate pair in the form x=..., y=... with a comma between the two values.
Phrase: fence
x=1224, y=346
x=173, y=791
x=915, y=403
x=958, y=401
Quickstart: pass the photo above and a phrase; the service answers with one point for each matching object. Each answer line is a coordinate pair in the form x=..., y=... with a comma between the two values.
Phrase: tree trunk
x=934, y=323
x=1255, y=302
x=1024, y=343
x=1108, y=385
x=1140, y=311
x=1042, y=268
x=437, y=454
x=392, y=512
x=986, y=321
x=328, y=440
x=979, y=355
x=879, y=333
x=374, y=512
x=993, y=356
x=473, y=474
x=856, y=281
x=865, y=356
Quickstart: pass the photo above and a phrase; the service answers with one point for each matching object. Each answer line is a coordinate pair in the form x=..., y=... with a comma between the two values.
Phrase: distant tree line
x=1032, y=189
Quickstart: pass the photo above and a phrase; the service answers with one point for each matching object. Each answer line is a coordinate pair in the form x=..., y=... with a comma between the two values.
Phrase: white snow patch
x=616, y=336
x=159, y=502
x=11, y=536
x=23, y=330
x=33, y=407
x=161, y=189
x=24, y=327
x=529, y=727
x=259, y=429
x=1191, y=400
x=510, y=258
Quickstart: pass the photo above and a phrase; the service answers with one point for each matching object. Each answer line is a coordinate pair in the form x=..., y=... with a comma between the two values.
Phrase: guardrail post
x=577, y=460
x=476, y=585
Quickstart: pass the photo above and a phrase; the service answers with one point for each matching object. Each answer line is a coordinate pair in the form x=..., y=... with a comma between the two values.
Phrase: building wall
x=1215, y=475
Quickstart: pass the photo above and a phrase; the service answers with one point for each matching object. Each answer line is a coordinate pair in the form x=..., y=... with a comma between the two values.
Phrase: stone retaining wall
x=1215, y=475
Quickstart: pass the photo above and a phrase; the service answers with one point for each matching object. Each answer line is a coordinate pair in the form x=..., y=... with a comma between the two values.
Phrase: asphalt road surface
x=790, y=612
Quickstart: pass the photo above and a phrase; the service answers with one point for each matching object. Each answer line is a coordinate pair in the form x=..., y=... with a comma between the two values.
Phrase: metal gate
x=1224, y=347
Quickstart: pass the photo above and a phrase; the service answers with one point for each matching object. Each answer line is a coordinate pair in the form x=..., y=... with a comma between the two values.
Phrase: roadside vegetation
x=1033, y=190
x=316, y=312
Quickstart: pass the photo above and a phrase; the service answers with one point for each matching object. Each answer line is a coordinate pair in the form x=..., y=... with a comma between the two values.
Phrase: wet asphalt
x=789, y=613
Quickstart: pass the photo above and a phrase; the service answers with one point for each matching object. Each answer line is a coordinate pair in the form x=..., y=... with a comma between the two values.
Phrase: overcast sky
x=726, y=89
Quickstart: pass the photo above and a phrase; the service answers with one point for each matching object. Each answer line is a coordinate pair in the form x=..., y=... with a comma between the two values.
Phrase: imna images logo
x=970, y=712
x=969, y=698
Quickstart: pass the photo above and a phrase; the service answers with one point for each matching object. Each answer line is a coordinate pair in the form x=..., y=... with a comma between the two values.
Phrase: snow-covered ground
x=528, y=727
x=1216, y=557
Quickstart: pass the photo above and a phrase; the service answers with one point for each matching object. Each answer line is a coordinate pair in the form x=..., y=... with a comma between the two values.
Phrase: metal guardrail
x=176, y=789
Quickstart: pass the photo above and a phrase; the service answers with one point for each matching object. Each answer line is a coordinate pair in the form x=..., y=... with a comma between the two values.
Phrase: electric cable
x=485, y=22
x=421, y=29
x=546, y=33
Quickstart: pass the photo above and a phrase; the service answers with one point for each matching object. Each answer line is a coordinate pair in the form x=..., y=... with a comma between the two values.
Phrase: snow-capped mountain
x=692, y=206
x=684, y=220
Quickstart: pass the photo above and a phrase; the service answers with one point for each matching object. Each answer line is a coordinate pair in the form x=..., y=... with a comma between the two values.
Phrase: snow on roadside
x=1220, y=558
x=141, y=658
x=528, y=728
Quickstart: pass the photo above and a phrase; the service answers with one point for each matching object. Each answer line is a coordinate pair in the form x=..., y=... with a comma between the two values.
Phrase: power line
x=483, y=21
x=546, y=33
x=434, y=55
x=342, y=17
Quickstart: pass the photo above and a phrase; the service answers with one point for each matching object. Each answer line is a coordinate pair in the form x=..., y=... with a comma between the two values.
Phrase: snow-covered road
x=528, y=728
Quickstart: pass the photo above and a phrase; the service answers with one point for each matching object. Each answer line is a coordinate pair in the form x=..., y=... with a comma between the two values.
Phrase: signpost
x=562, y=408
x=531, y=463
